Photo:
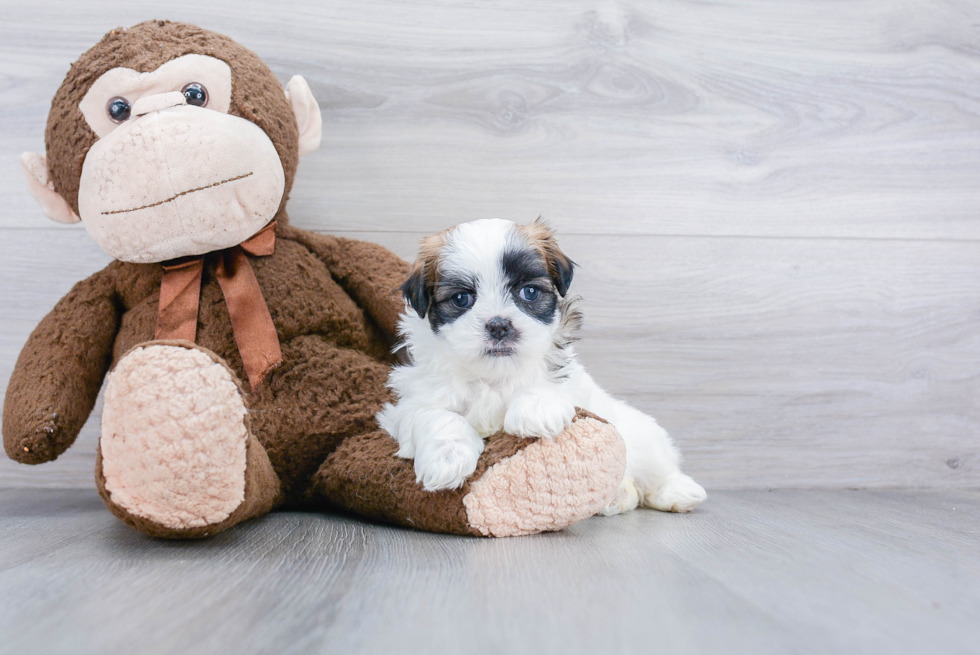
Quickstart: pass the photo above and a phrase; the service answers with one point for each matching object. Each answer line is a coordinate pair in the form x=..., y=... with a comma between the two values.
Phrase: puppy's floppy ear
x=416, y=290
x=560, y=267
x=425, y=273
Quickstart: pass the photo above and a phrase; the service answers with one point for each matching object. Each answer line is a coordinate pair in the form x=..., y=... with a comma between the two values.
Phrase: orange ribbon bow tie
x=255, y=333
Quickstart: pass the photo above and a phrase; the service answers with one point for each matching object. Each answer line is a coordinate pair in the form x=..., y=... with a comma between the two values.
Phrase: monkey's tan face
x=173, y=174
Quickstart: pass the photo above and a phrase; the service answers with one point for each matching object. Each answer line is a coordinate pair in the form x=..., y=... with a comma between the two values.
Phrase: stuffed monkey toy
x=246, y=358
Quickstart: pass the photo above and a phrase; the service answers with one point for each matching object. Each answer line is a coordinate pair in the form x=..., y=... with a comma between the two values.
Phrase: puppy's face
x=491, y=290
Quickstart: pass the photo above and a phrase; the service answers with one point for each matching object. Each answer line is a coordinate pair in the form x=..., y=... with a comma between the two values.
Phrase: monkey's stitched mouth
x=182, y=193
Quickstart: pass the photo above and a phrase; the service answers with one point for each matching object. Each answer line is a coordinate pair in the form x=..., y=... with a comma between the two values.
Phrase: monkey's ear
x=52, y=204
x=416, y=291
x=307, y=113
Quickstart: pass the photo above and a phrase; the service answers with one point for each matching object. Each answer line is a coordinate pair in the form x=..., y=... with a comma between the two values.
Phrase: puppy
x=490, y=343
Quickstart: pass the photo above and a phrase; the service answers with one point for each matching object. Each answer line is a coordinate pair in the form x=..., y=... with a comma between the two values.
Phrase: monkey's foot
x=176, y=457
x=521, y=486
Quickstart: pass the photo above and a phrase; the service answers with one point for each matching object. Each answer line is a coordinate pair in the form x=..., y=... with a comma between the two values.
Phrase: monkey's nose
x=499, y=328
x=158, y=102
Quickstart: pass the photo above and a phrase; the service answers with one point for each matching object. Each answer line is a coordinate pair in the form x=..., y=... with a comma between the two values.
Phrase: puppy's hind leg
x=627, y=499
x=652, y=459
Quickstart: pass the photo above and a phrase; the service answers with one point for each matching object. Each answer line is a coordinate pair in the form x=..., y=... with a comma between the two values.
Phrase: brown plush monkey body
x=194, y=438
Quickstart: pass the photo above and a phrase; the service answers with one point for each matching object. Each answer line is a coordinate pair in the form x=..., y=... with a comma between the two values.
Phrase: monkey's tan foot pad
x=174, y=439
x=550, y=484
x=520, y=487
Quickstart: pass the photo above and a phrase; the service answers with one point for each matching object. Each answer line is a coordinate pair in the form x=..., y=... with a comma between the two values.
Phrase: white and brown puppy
x=490, y=342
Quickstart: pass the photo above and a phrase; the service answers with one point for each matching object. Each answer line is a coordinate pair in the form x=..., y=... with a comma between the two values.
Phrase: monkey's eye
x=529, y=294
x=118, y=109
x=463, y=299
x=195, y=94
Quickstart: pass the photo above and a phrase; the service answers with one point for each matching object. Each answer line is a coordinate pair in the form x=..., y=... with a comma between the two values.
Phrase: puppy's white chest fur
x=488, y=403
x=485, y=408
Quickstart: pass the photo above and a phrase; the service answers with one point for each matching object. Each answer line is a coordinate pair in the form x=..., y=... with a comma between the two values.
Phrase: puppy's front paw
x=445, y=466
x=538, y=414
x=445, y=460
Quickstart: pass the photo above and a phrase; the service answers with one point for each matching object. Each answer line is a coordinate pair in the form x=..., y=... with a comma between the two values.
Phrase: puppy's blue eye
x=463, y=300
x=529, y=294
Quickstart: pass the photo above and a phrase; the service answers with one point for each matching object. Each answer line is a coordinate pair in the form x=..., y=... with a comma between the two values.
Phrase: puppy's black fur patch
x=562, y=270
x=417, y=292
x=524, y=267
x=523, y=264
x=442, y=310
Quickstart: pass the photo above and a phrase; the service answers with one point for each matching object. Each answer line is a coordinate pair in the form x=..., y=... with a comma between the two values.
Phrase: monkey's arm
x=59, y=372
x=369, y=273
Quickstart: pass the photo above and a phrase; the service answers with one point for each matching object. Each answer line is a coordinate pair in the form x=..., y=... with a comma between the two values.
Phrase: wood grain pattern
x=748, y=572
x=774, y=205
x=668, y=117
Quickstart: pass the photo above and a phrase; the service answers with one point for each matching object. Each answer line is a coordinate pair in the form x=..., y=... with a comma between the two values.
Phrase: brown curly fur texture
x=365, y=476
x=328, y=388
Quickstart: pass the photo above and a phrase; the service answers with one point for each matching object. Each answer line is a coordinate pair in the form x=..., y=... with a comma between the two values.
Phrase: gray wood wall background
x=774, y=204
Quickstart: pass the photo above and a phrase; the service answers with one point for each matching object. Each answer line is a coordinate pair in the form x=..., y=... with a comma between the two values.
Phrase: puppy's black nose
x=499, y=328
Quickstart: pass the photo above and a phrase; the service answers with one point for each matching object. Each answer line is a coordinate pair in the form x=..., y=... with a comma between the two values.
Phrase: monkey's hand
x=59, y=372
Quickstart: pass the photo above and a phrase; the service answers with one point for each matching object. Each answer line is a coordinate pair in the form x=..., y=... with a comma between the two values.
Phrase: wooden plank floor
x=749, y=572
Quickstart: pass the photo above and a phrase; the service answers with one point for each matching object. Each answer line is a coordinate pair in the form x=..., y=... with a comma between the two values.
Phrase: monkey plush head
x=167, y=140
